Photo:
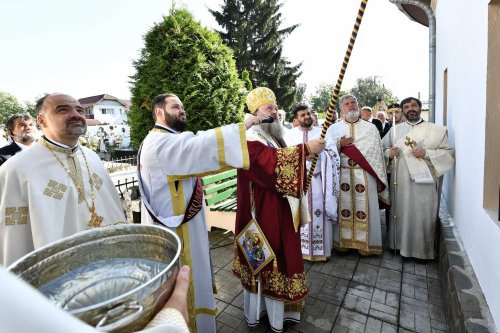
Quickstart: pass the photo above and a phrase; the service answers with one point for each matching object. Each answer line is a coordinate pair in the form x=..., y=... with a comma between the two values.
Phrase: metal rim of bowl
x=91, y=231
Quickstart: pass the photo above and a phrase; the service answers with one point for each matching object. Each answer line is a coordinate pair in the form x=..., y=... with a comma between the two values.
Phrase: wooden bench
x=220, y=200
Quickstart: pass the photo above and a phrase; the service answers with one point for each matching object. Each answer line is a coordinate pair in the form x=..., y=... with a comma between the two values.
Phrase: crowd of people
x=57, y=187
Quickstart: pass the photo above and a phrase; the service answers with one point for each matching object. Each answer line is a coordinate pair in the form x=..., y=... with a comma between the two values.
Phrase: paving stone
x=389, y=280
x=388, y=328
x=415, y=280
x=228, y=320
x=343, y=268
x=366, y=274
x=407, y=320
x=373, y=325
x=422, y=324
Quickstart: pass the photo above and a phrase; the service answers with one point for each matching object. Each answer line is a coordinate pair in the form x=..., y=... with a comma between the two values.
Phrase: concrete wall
x=462, y=49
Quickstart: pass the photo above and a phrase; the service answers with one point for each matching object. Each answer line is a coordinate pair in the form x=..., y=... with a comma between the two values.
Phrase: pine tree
x=182, y=57
x=252, y=30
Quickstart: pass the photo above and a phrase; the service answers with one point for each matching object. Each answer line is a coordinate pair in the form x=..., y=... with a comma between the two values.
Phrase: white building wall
x=462, y=45
x=115, y=118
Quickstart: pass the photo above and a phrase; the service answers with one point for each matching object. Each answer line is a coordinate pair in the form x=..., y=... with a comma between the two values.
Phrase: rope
x=336, y=91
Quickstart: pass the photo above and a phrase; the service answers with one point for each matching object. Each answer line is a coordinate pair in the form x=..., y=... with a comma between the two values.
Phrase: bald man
x=56, y=188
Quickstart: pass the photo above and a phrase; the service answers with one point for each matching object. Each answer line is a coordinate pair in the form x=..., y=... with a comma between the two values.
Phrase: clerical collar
x=418, y=122
x=168, y=129
x=59, y=146
x=352, y=122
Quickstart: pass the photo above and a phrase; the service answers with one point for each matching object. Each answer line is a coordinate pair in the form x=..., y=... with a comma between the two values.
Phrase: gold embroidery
x=16, y=215
x=274, y=282
x=55, y=190
x=96, y=181
x=287, y=167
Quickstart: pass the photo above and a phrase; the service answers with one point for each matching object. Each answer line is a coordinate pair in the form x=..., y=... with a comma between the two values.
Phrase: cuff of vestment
x=169, y=316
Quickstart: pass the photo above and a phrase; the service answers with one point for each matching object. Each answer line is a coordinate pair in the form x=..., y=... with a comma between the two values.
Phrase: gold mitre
x=260, y=96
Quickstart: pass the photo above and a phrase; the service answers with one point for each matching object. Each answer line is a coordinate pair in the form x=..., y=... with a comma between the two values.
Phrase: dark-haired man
x=22, y=132
x=316, y=237
x=423, y=156
x=170, y=163
x=56, y=188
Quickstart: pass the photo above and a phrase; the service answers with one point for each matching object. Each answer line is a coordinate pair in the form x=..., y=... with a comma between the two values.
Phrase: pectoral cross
x=411, y=143
x=95, y=220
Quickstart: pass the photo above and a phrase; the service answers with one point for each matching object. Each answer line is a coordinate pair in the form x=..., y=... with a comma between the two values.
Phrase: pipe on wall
x=432, y=51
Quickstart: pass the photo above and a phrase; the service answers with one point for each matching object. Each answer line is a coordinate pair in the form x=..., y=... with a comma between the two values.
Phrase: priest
x=170, y=162
x=271, y=193
x=363, y=181
x=420, y=154
x=316, y=237
x=56, y=188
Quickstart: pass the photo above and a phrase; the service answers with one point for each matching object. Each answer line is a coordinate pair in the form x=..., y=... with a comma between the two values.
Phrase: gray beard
x=352, y=116
x=414, y=118
x=25, y=138
x=274, y=129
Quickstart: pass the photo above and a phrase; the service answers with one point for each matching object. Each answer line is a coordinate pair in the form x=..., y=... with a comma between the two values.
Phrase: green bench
x=220, y=199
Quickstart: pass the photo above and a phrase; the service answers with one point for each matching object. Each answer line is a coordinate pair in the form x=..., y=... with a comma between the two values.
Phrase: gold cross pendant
x=95, y=220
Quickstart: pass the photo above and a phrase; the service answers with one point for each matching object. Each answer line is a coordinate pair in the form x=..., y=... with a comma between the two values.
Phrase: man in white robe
x=170, y=162
x=316, y=237
x=420, y=154
x=56, y=188
x=363, y=180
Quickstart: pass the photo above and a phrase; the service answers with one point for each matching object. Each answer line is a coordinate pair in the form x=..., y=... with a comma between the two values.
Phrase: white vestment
x=19, y=301
x=169, y=164
x=39, y=203
x=415, y=205
x=359, y=218
x=316, y=237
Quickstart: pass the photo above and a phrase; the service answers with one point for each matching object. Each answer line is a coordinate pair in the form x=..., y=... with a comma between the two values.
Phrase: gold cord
x=95, y=220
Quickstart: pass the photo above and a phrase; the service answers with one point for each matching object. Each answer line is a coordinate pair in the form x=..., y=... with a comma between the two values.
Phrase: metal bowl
x=114, y=278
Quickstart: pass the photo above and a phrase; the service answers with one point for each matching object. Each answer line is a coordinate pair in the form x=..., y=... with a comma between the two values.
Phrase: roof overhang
x=415, y=13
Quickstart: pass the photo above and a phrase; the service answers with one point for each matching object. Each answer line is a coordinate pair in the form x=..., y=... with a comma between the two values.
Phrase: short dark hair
x=159, y=102
x=39, y=104
x=409, y=99
x=12, y=120
x=394, y=105
x=299, y=107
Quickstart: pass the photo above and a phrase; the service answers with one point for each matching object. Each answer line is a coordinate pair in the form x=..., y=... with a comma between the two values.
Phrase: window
x=107, y=111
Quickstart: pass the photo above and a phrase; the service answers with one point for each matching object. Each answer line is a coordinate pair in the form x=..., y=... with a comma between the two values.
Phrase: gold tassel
x=254, y=289
x=275, y=266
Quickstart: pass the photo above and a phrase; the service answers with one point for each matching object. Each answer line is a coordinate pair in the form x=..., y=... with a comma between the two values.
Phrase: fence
x=120, y=164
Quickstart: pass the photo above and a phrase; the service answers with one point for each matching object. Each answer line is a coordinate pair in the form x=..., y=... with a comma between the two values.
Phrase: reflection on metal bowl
x=114, y=278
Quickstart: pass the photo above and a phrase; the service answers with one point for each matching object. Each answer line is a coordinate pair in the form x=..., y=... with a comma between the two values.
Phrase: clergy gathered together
x=55, y=188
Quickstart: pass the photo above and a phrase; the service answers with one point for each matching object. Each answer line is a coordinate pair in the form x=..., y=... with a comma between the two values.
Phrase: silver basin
x=114, y=278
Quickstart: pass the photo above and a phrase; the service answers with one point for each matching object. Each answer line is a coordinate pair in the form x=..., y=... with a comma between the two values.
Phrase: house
x=467, y=101
x=106, y=109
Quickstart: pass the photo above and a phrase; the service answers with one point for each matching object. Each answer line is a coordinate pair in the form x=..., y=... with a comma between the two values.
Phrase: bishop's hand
x=252, y=120
x=316, y=146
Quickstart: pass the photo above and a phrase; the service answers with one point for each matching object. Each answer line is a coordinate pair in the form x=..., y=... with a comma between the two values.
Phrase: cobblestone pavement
x=348, y=293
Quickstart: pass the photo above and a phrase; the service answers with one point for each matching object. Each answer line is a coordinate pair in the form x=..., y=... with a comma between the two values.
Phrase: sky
x=86, y=48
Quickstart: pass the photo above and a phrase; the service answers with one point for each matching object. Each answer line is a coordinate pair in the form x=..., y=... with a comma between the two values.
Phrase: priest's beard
x=25, y=138
x=413, y=117
x=175, y=123
x=352, y=115
x=274, y=129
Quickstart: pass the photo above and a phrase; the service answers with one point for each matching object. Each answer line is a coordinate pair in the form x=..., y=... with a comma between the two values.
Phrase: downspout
x=432, y=51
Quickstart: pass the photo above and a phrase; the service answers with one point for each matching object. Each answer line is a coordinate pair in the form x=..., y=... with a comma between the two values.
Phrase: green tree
x=182, y=57
x=367, y=91
x=252, y=30
x=9, y=105
x=322, y=96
